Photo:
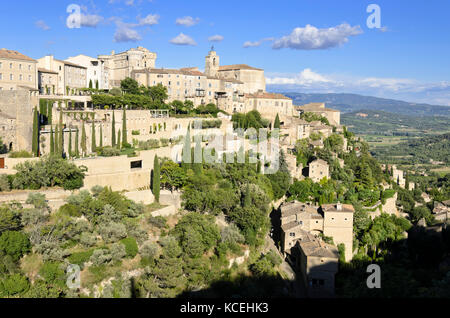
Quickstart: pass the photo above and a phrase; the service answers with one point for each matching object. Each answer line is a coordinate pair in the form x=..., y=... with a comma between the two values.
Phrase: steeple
x=212, y=63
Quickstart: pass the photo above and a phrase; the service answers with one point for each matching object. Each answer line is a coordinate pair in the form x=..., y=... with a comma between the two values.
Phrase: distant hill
x=347, y=103
x=420, y=150
x=370, y=122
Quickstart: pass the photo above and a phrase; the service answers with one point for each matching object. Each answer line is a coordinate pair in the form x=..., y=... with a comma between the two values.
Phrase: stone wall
x=19, y=105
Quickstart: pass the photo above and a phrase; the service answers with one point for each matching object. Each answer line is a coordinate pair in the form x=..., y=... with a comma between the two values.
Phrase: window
x=30, y=78
x=1, y=76
x=292, y=234
x=10, y=65
x=20, y=77
x=29, y=67
x=1, y=64
x=11, y=77
x=20, y=66
x=136, y=164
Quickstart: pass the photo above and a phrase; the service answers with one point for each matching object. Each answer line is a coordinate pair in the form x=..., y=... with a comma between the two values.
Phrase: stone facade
x=333, y=116
x=96, y=71
x=16, y=118
x=17, y=70
x=319, y=169
x=48, y=82
x=121, y=65
x=70, y=75
x=332, y=220
x=318, y=264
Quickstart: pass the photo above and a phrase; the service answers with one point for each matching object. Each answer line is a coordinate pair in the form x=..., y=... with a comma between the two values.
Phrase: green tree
x=77, y=145
x=70, y=143
x=101, y=136
x=113, y=131
x=198, y=158
x=93, y=142
x=187, y=151
x=124, y=129
x=130, y=86
x=156, y=186
x=118, y=139
x=277, y=124
x=172, y=175
x=35, y=141
x=49, y=112
x=90, y=84
x=52, y=141
x=83, y=140
x=61, y=134
x=96, y=84
x=14, y=244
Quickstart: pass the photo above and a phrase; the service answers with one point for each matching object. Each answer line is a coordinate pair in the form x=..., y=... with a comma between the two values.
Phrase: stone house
x=318, y=169
x=17, y=70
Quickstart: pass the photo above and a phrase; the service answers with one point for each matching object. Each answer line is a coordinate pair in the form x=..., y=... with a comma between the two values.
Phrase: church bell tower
x=212, y=63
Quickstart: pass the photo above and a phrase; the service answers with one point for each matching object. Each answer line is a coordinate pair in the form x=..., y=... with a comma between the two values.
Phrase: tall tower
x=212, y=63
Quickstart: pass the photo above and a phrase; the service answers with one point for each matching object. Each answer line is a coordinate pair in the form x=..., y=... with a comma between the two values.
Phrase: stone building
x=48, y=82
x=318, y=264
x=333, y=116
x=17, y=70
x=319, y=169
x=331, y=220
x=16, y=118
x=96, y=71
x=398, y=176
x=269, y=105
x=70, y=75
x=121, y=65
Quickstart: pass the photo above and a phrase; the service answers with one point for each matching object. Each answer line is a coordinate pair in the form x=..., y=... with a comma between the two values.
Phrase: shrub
x=101, y=257
x=112, y=232
x=34, y=216
x=88, y=239
x=14, y=244
x=70, y=210
x=37, y=200
x=53, y=274
x=4, y=183
x=149, y=250
x=232, y=234
x=13, y=285
x=118, y=251
x=131, y=247
x=158, y=221
x=80, y=258
x=136, y=132
x=108, y=152
x=20, y=154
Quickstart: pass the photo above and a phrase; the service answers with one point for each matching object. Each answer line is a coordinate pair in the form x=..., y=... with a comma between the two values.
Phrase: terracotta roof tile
x=14, y=55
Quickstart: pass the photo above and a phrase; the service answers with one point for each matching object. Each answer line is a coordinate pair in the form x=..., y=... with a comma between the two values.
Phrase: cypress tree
x=113, y=131
x=96, y=84
x=83, y=140
x=90, y=84
x=70, y=143
x=52, y=142
x=93, y=143
x=118, y=138
x=35, y=141
x=277, y=124
x=56, y=139
x=101, y=136
x=247, y=197
x=77, y=145
x=124, y=129
x=156, y=178
x=49, y=112
x=61, y=133
x=186, y=155
x=198, y=158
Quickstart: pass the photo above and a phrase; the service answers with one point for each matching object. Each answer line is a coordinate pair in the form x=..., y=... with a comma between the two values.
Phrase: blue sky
x=304, y=45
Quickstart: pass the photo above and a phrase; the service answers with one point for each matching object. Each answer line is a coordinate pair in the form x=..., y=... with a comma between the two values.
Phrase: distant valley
x=347, y=103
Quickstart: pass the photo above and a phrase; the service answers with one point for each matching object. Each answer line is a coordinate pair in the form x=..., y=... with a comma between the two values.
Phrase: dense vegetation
x=419, y=150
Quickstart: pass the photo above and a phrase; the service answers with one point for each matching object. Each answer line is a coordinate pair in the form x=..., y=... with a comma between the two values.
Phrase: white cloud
x=187, y=21
x=150, y=19
x=183, y=39
x=125, y=33
x=309, y=81
x=256, y=43
x=312, y=38
x=216, y=38
x=42, y=25
x=90, y=20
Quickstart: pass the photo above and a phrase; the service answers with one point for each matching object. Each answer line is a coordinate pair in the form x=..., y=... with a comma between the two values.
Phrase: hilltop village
x=94, y=173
